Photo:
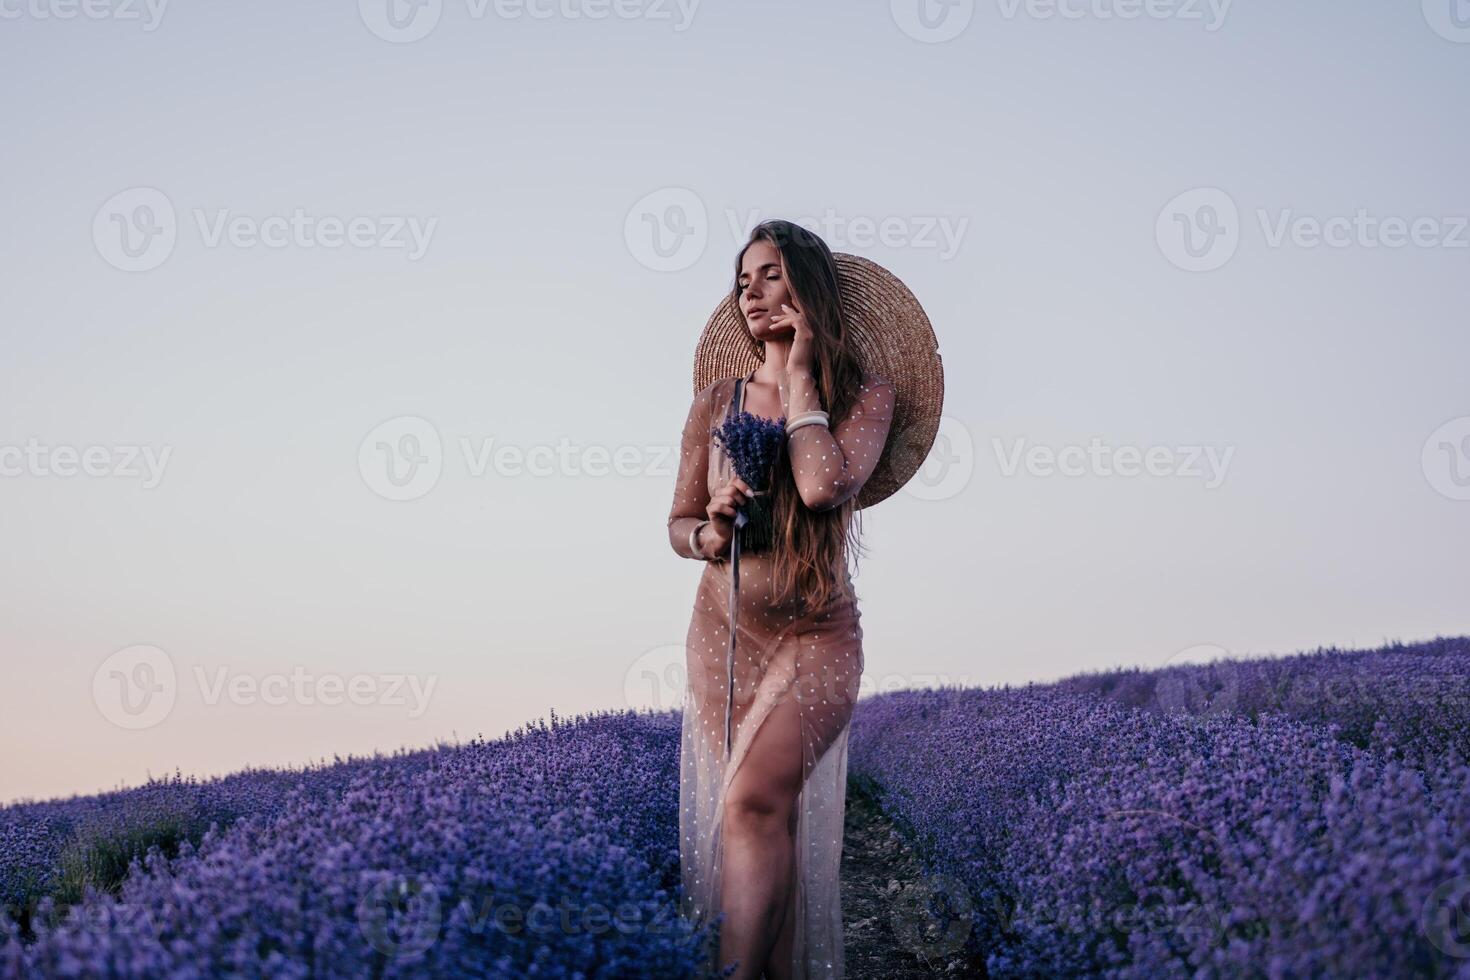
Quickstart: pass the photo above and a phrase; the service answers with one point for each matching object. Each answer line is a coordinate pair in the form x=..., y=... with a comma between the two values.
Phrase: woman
x=761, y=820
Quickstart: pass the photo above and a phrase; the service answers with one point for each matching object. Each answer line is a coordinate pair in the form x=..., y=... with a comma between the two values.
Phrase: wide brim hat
x=891, y=337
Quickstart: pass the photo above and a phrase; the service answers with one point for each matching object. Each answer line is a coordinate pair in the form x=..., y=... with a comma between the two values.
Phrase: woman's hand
x=721, y=510
x=799, y=358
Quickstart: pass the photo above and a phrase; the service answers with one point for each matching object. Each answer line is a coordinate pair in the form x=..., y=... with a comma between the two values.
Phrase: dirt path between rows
x=887, y=931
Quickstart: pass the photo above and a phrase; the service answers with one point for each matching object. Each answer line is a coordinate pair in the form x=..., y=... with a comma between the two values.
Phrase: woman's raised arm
x=831, y=466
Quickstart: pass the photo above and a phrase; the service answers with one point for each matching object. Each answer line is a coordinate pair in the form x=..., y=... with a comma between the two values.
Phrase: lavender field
x=1276, y=817
x=1297, y=817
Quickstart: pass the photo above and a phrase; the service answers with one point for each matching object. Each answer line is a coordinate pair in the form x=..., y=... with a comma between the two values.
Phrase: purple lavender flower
x=753, y=443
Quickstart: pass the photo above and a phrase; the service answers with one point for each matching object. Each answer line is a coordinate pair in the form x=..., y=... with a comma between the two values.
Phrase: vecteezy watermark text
x=668, y=229
x=329, y=689
x=148, y=12
x=1210, y=13
x=406, y=21
x=1201, y=229
x=136, y=230
x=123, y=461
x=937, y=21
x=136, y=687
x=1097, y=459
x=403, y=458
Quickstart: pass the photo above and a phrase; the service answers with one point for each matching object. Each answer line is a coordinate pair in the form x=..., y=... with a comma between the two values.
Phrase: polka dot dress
x=784, y=660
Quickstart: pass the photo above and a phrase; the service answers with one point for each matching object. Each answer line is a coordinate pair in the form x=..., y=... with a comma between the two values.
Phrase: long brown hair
x=811, y=549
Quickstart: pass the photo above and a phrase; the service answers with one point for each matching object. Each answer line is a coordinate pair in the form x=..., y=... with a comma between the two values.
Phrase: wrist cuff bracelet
x=807, y=418
x=694, y=540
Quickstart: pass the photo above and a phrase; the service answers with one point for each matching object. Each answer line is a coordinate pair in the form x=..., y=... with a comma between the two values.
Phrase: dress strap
x=736, y=404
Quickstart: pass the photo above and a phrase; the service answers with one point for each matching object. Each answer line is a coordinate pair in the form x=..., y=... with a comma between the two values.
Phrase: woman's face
x=763, y=288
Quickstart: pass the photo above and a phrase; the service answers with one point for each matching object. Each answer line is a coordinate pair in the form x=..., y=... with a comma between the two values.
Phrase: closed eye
x=775, y=278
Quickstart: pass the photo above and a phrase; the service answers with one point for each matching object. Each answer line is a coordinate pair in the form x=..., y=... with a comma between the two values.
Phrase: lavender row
x=1412, y=700
x=56, y=847
x=1084, y=837
x=552, y=852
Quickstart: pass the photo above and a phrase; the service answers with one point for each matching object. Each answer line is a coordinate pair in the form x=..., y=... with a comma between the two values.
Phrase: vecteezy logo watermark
x=400, y=916
x=401, y=21
x=1097, y=459
x=123, y=461
x=1450, y=19
x=136, y=230
x=1442, y=918
x=932, y=21
x=1445, y=458
x=667, y=230
x=658, y=679
x=949, y=464
x=135, y=687
x=406, y=21
x=138, y=686
x=403, y=458
x=1200, y=230
x=149, y=12
x=1199, y=681
x=933, y=916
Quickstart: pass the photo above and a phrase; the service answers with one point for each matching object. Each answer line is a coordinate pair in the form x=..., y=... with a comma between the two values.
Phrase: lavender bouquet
x=752, y=444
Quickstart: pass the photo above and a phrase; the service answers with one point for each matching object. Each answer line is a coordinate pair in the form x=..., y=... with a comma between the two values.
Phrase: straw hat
x=892, y=338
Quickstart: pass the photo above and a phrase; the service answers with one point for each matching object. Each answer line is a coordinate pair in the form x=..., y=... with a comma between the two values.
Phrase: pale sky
x=254, y=252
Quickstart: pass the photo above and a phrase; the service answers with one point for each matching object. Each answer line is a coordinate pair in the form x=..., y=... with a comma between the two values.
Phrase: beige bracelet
x=807, y=418
x=694, y=540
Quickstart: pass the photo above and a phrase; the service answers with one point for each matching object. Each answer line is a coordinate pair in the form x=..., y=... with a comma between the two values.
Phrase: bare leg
x=778, y=964
x=759, y=857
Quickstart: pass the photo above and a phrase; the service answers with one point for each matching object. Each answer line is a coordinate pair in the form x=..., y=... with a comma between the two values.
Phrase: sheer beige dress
x=815, y=658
